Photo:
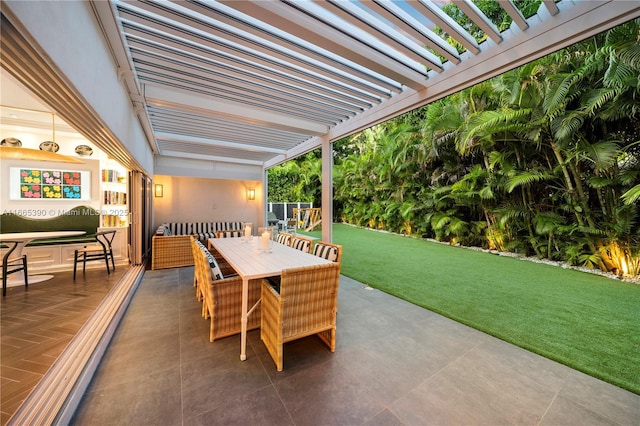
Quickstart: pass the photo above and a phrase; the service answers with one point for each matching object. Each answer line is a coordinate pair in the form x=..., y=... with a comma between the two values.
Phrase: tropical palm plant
x=542, y=160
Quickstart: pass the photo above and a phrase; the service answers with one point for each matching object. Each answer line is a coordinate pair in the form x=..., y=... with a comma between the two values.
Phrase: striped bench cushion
x=178, y=228
x=229, y=234
x=204, y=230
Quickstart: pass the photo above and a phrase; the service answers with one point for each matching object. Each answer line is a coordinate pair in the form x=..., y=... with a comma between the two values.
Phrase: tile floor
x=395, y=364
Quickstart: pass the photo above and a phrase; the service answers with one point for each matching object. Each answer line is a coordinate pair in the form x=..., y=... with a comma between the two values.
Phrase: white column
x=327, y=190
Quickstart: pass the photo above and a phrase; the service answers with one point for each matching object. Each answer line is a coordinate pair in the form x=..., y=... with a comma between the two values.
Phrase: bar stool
x=11, y=265
x=100, y=251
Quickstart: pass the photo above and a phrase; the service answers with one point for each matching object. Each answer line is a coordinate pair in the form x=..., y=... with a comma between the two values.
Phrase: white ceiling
x=16, y=95
x=20, y=107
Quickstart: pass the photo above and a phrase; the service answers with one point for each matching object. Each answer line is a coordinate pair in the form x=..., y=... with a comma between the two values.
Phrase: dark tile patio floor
x=395, y=363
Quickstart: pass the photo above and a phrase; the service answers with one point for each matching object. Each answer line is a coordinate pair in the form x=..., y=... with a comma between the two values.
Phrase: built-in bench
x=171, y=246
x=80, y=218
x=57, y=254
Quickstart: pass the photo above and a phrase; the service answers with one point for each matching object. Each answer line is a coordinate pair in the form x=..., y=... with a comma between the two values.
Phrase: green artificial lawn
x=588, y=322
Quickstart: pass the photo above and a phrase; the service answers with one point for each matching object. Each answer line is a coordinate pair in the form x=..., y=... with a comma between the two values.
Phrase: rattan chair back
x=306, y=305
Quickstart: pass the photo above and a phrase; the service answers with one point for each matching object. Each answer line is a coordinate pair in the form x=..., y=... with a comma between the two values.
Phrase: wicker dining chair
x=200, y=280
x=197, y=279
x=223, y=299
x=302, y=243
x=11, y=264
x=306, y=305
x=285, y=238
x=328, y=251
x=225, y=267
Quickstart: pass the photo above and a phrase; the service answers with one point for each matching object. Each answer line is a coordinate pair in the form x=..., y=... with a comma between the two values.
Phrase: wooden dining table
x=250, y=263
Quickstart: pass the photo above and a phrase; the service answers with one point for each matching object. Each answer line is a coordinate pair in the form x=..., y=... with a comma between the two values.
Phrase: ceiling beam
x=168, y=98
x=172, y=137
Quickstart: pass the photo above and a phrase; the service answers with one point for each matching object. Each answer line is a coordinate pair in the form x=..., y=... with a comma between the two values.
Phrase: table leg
x=17, y=279
x=243, y=325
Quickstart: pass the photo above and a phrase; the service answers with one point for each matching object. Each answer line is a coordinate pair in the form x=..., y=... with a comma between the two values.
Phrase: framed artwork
x=49, y=184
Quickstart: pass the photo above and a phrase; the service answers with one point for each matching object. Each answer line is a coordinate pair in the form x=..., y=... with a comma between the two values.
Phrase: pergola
x=251, y=84
x=241, y=86
x=258, y=82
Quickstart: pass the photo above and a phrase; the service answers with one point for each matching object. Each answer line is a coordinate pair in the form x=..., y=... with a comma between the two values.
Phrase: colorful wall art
x=49, y=184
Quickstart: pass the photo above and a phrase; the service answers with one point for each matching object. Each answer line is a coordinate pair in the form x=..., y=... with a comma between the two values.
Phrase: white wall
x=188, y=199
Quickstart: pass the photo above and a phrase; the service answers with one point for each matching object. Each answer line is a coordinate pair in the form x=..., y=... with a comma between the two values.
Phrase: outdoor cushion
x=326, y=252
x=229, y=234
x=179, y=228
x=284, y=238
x=301, y=244
x=170, y=244
x=216, y=273
x=206, y=230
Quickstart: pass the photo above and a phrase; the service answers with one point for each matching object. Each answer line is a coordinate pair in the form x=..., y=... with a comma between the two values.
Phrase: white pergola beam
x=171, y=137
x=514, y=13
x=174, y=99
x=447, y=24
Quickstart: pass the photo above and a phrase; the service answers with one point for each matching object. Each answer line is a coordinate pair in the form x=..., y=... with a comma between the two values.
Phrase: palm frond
x=509, y=214
x=602, y=154
x=489, y=122
x=596, y=99
x=486, y=193
x=565, y=127
x=599, y=182
x=525, y=179
x=632, y=195
x=558, y=89
x=440, y=220
x=547, y=222
x=619, y=74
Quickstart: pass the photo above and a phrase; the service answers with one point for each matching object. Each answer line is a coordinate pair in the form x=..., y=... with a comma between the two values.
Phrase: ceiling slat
x=179, y=25
x=445, y=22
x=383, y=33
x=480, y=19
x=514, y=14
x=418, y=30
x=196, y=71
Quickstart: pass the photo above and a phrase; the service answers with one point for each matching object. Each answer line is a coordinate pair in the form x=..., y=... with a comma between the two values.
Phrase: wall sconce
x=158, y=190
x=251, y=194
